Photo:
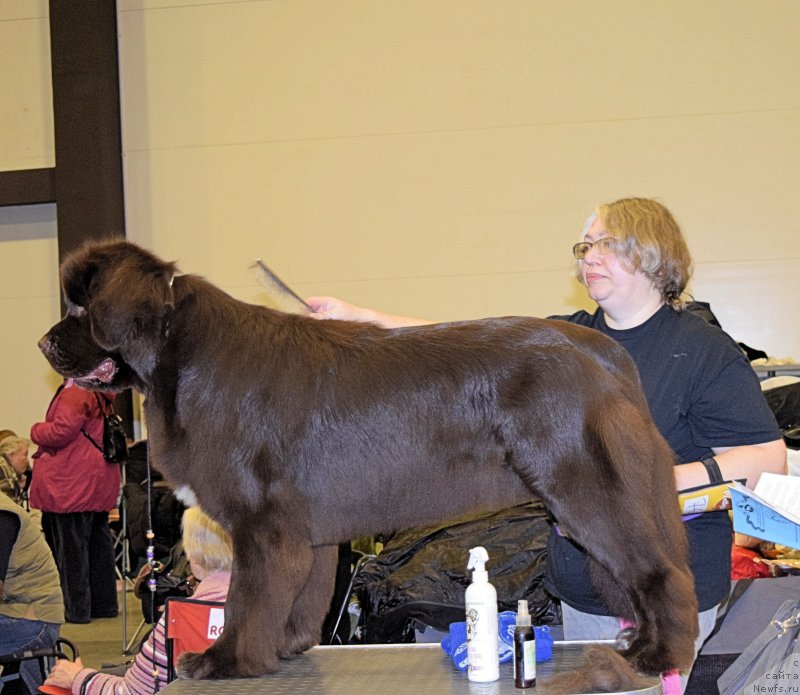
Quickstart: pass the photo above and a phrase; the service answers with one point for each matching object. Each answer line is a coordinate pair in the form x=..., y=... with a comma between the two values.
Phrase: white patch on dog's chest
x=186, y=495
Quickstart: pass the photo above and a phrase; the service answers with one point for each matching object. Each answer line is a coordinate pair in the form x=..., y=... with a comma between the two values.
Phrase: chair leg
x=346, y=598
x=129, y=647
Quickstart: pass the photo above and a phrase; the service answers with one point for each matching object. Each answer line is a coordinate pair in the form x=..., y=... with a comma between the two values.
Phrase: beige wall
x=28, y=245
x=437, y=158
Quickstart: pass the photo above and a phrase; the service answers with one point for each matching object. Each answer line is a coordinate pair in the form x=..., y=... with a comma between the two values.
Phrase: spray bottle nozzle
x=478, y=557
x=523, y=616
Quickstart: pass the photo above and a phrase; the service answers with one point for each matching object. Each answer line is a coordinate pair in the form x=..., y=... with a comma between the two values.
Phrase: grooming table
x=399, y=669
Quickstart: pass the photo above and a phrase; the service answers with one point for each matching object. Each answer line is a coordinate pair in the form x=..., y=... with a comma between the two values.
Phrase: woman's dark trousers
x=84, y=553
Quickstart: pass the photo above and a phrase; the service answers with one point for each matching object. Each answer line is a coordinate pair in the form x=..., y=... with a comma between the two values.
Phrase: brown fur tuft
x=602, y=671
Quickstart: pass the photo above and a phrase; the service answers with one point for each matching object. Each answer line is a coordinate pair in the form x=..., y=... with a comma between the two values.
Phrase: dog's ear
x=122, y=311
x=126, y=291
x=78, y=272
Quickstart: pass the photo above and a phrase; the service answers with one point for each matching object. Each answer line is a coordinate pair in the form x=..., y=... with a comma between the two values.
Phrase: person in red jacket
x=75, y=488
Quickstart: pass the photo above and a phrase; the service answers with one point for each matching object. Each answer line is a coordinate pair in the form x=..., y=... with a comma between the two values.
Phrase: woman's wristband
x=712, y=468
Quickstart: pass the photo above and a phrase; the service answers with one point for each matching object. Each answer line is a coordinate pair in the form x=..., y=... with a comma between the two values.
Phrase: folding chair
x=46, y=657
x=192, y=626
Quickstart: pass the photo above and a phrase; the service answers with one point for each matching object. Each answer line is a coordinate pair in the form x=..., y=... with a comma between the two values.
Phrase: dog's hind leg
x=312, y=605
x=614, y=494
x=634, y=531
x=655, y=571
x=659, y=590
x=272, y=563
x=661, y=595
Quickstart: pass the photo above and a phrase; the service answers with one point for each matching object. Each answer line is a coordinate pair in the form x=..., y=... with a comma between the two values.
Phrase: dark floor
x=103, y=641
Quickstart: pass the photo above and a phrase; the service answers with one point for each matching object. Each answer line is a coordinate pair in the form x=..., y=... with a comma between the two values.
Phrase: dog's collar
x=171, y=298
x=170, y=304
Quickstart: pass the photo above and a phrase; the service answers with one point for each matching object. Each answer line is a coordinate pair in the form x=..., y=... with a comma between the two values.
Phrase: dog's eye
x=94, y=283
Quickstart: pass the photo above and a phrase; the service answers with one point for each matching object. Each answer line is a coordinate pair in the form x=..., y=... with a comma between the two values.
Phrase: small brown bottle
x=524, y=649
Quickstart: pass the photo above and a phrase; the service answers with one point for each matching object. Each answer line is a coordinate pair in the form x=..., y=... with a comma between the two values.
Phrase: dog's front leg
x=311, y=606
x=272, y=562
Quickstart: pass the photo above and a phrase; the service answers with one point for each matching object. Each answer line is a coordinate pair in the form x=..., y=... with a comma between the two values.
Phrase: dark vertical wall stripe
x=88, y=141
x=88, y=173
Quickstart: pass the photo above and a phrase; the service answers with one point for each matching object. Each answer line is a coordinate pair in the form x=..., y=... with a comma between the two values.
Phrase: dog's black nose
x=44, y=344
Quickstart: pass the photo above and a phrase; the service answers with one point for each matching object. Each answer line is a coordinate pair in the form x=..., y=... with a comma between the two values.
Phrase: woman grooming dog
x=703, y=395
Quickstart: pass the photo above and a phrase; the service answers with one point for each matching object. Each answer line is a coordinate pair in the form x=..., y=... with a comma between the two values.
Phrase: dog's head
x=118, y=298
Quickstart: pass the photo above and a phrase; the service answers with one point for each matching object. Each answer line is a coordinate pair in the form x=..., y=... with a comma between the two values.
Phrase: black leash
x=151, y=581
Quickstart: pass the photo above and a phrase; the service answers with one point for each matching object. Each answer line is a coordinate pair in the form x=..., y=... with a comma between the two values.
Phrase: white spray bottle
x=483, y=662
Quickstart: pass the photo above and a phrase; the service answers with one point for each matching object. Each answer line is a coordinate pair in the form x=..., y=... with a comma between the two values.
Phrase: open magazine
x=771, y=511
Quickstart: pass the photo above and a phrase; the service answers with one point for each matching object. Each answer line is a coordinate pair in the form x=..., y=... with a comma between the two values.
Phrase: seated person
x=31, y=604
x=210, y=554
x=14, y=467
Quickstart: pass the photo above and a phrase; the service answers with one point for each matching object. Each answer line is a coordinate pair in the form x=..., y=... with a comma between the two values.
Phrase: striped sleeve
x=139, y=678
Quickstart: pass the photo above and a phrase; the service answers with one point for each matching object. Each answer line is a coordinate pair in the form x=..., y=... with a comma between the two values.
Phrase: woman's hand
x=333, y=308
x=64, y=673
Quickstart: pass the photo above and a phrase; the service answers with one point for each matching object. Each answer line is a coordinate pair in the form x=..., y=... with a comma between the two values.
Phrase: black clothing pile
x=420, y=576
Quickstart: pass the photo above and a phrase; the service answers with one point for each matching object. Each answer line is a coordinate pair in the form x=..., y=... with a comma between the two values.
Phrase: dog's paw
x=625, y=639
x=297, y=645
x=201, y=666
x=648, y=659
x=211, y=665
x=195, y=665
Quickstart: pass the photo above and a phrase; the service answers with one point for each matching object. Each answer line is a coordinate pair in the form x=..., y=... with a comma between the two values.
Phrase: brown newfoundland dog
x=297, y=435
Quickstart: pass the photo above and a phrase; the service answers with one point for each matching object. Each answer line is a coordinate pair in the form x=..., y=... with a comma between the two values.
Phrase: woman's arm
x=69, y=413
x=333, y=308
x=736, y=463
x=138, y=680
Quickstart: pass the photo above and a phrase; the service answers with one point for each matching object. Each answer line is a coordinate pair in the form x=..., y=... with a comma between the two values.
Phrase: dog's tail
x=602, y=670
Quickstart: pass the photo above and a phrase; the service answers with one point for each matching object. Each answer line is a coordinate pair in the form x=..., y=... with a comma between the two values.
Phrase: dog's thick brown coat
x=297, y=434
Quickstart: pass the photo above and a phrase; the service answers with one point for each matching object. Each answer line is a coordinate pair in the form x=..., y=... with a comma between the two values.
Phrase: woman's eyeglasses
x=604, y=245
